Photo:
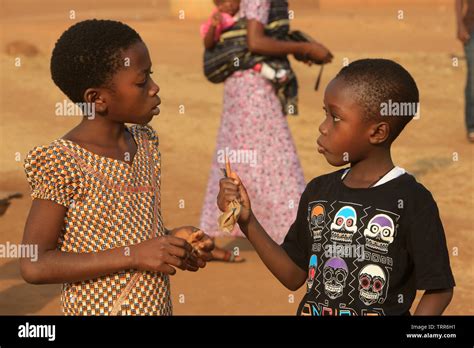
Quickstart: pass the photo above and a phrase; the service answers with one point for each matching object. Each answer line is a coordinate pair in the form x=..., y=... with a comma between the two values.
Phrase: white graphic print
x=344, y=225
x=380, y=233
x=372, y=280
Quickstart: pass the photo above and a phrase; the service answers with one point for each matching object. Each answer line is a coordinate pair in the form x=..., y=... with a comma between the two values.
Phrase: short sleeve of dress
x=153, y=141
x=53, y=174
x=255, y=9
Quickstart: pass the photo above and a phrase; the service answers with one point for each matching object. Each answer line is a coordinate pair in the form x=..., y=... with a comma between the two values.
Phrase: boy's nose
x=322, y=128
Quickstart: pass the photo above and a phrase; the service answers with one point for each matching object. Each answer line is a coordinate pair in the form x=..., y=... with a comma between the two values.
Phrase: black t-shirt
x=367, y=250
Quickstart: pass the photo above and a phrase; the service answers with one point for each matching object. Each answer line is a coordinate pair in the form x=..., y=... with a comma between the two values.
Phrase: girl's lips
x=156, y=110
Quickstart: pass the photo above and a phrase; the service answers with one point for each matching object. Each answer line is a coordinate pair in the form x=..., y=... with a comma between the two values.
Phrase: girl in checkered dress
x=96, y=215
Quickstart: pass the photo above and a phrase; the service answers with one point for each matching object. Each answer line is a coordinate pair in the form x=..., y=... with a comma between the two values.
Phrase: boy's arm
x=43, y=228
x=434, y=302
x=273, y=255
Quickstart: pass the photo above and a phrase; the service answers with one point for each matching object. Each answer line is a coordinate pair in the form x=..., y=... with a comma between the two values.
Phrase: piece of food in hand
x=194, y=240
x=229, y=218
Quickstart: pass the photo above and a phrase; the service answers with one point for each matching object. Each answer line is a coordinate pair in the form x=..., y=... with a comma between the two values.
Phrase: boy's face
x=228, y=6
x=133, y=97
x=344, y=132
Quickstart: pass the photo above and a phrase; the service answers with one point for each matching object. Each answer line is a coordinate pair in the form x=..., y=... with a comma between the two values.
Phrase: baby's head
x=106, y=63
x=367, y=105
x=228, y=6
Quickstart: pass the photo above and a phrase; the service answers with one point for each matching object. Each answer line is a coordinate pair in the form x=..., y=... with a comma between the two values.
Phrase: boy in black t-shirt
x=365, y=237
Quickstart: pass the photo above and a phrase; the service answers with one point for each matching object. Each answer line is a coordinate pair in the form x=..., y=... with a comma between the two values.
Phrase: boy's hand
x=162, y=254
x=231, y=188
x=201, y=242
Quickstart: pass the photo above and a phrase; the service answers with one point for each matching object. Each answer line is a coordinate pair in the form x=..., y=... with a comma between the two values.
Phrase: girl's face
x=133, y=96
x=228, y=6
x=344, y=132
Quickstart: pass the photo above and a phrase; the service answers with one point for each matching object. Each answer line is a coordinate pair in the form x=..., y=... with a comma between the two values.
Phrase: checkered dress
x=110, y=204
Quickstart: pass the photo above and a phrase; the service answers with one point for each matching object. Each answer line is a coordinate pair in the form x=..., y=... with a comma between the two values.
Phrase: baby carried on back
x=230, y=53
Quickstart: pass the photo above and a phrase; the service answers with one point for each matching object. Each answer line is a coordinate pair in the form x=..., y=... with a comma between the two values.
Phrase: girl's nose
x=154, y=89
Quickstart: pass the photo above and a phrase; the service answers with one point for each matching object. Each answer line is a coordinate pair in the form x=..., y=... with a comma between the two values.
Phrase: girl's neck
x=99, y=131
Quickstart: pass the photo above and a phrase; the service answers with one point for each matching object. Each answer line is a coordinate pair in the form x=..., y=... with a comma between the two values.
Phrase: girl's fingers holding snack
x=167, y=269
x=192, y=268
x=206, y=245
x=195, y=236
x=175, y=261
x=179, y=242
x=181, y=253
x=201, y=263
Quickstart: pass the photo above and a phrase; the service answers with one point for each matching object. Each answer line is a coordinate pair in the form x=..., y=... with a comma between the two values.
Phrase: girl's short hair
x=88, y=54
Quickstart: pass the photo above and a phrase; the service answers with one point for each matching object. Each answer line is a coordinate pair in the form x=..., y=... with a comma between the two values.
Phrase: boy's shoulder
x=405, y=186
x=324, y=179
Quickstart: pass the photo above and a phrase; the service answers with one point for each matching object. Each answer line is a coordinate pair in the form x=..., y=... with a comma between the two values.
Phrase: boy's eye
x=334, y=117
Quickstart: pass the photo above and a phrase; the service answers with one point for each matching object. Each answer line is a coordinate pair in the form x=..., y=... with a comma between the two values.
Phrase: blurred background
x=421, y=35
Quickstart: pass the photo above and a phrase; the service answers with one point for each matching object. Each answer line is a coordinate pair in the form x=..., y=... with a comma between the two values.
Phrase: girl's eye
x=335, y=118
x=143, y=84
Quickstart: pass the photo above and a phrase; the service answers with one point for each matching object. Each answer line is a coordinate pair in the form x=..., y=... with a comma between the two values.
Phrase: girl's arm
x=273, y=256
x=434, y=302
x=43, y=228
x=259, y=43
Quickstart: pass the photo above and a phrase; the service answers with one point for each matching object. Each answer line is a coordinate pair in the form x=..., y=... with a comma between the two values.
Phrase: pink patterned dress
x=254, y=135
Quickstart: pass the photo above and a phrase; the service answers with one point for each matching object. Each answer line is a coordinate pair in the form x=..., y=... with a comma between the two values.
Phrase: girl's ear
x=94, y=96
x=379, y=132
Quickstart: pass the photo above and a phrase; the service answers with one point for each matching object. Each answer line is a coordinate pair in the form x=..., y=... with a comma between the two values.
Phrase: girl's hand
x=201, y=242
x=231, y=188
x=163, y=254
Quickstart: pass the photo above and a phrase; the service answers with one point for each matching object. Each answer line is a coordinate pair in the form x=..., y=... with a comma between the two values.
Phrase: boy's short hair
x=379, y=84
x=88, y=54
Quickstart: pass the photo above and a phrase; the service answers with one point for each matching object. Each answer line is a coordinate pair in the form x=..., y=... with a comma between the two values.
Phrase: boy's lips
x=321, y=148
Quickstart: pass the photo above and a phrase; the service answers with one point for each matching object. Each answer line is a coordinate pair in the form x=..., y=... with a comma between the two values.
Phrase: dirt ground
x=434, y=148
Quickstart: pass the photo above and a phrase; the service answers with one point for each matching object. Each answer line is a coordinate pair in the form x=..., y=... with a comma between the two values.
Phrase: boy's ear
x=379, y=132
x=94, y=96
